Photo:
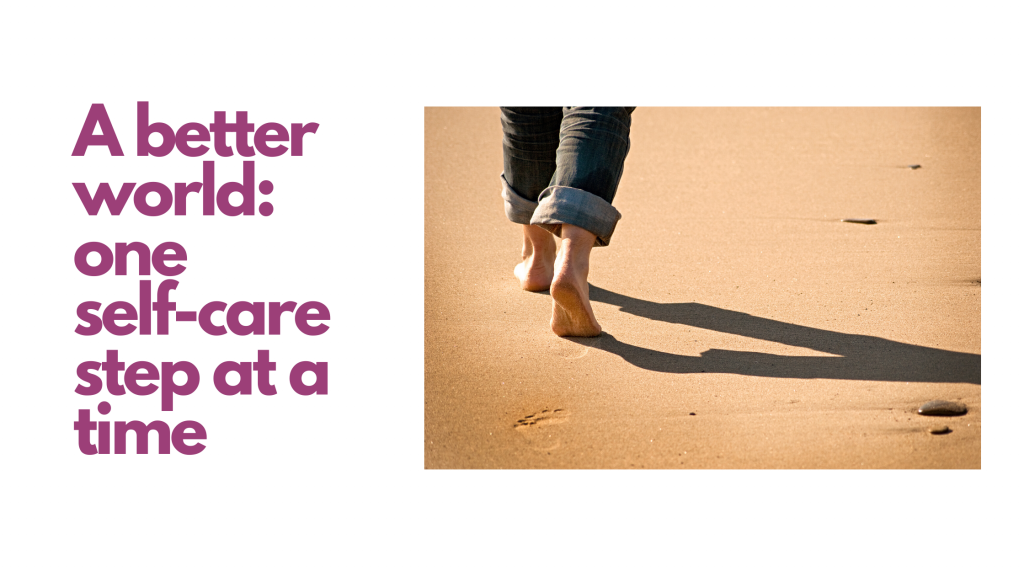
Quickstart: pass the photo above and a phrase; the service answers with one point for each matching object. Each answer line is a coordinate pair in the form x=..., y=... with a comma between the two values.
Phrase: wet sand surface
x=745, y=325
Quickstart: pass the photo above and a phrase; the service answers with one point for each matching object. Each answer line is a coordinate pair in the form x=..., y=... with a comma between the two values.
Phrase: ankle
x=572, y=232
x=538, y=243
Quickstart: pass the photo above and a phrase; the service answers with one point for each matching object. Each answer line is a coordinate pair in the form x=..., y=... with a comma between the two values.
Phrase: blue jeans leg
x=563, y=166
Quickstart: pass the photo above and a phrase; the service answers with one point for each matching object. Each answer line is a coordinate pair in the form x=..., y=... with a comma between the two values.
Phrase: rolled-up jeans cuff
x=559, y=205
x=517, y=209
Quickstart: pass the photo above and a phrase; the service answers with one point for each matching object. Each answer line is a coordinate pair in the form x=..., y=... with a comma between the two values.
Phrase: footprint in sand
x=542, y=418
x=535, y=428
x=572, y=348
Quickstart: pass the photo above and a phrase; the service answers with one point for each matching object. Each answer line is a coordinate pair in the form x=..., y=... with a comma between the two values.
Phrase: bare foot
x=537, y=268
x=571, y=314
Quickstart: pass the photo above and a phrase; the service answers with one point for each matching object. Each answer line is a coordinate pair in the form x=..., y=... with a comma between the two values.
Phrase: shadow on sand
x=857, y=357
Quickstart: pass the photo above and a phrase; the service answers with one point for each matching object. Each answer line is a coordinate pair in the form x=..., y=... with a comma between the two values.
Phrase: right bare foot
x=537, y=268
x=571, y=314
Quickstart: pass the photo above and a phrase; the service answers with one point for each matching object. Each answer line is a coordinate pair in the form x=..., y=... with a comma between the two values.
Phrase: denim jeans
x=563, y=166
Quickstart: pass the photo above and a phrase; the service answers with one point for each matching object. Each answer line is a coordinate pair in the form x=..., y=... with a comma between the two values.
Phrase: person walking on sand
x=562, y=168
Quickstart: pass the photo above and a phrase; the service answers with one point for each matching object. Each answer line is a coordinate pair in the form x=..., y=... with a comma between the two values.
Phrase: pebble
x=859, y=220
x=914, y=166
x=942, y=408
x=940, y=430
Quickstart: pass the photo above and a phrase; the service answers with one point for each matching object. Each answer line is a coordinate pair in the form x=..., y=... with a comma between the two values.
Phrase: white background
x=329, y=484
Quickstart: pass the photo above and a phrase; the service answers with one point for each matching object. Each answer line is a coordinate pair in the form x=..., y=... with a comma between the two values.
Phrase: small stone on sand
x=940, y=430
x=859, y=220
x=942, y=408
x=914, y=166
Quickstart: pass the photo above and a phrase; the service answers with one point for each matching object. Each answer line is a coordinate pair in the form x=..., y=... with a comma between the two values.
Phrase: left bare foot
x=537, y=268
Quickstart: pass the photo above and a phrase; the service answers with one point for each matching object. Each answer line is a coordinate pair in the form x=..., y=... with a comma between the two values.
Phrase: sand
x=745, y=325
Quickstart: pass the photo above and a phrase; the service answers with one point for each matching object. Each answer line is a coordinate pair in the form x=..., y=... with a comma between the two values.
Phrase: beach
x=746, y=325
